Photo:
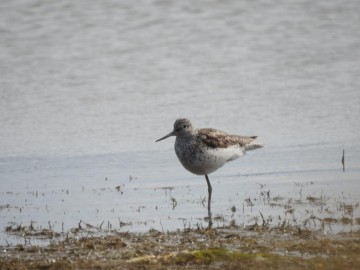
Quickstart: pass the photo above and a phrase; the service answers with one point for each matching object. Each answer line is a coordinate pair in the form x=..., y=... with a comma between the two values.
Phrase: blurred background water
x=86, y=87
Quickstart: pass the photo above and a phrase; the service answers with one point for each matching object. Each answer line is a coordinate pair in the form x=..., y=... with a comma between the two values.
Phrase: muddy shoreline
x=232, y=247
x=316, y=231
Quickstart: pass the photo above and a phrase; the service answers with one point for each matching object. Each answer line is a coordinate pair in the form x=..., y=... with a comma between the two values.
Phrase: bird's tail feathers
x=253, y=145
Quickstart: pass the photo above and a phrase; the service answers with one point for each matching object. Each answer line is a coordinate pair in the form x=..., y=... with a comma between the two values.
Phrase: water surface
x=86, y=88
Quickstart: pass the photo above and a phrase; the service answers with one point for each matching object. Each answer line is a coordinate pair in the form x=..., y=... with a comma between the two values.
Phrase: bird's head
x=182, y=126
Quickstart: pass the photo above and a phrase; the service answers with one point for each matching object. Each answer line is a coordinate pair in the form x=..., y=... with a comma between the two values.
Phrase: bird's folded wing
x=219, y=139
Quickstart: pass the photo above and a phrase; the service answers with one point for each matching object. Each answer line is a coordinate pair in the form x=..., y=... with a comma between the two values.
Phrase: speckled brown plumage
x=219, y=139
x=203, y=151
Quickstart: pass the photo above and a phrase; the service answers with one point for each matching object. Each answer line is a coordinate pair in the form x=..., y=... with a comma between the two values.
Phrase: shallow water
x=88, y=86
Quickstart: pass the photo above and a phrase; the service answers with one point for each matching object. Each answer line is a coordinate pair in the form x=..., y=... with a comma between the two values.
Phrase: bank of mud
x=253, y=247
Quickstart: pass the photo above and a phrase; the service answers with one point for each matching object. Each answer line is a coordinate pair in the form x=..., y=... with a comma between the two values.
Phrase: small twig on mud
x=101, y=225
x=264, y=222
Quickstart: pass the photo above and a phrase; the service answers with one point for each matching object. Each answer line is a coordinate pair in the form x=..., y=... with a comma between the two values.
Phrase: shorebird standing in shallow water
x=203, y=151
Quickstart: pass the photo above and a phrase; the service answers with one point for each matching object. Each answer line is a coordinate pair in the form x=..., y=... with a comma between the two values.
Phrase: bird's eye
x=184, y=126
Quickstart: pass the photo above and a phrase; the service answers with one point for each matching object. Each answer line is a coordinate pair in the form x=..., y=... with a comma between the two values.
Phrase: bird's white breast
x=205, y=160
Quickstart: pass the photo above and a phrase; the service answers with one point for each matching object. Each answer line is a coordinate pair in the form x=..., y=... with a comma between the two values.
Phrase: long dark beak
x=172, y=133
